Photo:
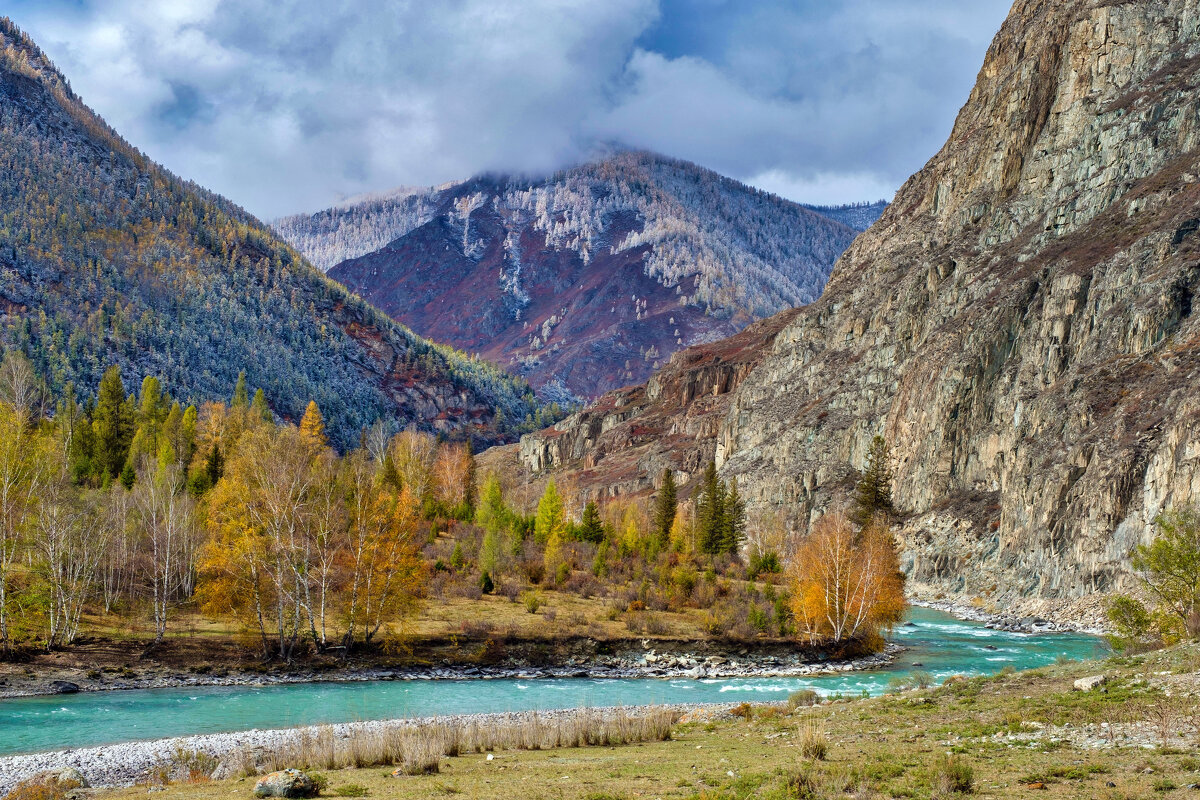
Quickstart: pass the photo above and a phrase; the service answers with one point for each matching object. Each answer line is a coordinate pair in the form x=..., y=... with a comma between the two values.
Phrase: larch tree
x=312, y=425
x=21, y=479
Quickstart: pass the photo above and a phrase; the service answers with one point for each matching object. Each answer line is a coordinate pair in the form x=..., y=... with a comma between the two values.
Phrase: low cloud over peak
x=285, y=105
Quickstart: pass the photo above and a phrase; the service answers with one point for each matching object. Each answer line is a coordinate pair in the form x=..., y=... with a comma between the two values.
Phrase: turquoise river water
x=942, y=644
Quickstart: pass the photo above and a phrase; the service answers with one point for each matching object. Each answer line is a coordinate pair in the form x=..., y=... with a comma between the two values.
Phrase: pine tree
x=591, y=529
x=312, y=425
x=665, y=506
x=873, y=493
x=112, y=425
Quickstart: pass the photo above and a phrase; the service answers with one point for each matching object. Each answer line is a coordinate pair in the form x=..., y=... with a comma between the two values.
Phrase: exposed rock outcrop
x=1018, y=323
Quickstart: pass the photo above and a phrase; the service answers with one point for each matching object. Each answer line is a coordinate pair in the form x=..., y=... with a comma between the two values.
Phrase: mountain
x=107, y=257
x=1019, y=325
x=858, y=216
x=586, y=280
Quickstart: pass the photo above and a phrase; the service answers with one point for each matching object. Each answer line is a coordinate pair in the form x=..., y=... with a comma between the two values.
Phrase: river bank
x=1020, y=615
x=131, y=763
x=645, y=658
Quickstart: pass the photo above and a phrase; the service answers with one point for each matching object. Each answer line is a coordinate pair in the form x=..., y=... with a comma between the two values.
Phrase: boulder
x=63, y=687
x=1090, y=682
x=285, y=783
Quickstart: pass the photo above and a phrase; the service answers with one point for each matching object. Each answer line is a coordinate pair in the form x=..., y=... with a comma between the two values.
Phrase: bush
x=804, y=697
x=953, y=775
x=351, y=790
x=814, y=744
x=532, y=602
x=485, y=583
x=921, y=679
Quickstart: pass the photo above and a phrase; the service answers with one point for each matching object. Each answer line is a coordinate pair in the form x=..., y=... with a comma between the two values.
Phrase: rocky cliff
x=1018, y=323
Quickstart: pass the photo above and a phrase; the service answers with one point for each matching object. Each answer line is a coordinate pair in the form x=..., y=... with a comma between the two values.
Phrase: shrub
x=803, y=697
x=921, y=679
x=351, y=790
x=485, y=583
x=814, y=744
x=532, y=602
x=953, y=775
x=745, y=711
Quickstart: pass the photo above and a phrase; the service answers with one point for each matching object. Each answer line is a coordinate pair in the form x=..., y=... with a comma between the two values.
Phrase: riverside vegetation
x=133, y=512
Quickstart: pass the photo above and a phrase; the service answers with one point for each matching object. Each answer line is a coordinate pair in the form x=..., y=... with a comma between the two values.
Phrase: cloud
x=287, y=105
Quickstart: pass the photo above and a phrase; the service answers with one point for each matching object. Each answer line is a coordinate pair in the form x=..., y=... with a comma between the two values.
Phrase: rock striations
x=1018, y=323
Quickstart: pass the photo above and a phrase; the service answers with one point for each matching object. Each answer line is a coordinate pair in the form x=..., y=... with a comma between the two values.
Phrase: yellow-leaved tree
x=846, y=584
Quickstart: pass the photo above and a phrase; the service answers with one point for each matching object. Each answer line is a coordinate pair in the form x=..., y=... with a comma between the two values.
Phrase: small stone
x=1090, y=682
x=490, y=756
x=1036, y=785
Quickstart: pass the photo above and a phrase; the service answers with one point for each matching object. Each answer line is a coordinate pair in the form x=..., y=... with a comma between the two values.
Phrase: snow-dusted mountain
x=585, y=280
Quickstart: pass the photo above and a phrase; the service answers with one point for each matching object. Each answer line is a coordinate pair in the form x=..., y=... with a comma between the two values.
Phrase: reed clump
x=418, y=748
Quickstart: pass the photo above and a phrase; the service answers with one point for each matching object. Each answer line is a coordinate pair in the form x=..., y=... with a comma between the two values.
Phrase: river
x=942, y=644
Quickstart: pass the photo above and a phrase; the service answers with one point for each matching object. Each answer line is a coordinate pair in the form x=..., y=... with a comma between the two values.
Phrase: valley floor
x=1014, y=733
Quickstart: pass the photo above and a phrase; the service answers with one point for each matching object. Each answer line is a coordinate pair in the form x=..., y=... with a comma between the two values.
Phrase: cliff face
x=1018, y=324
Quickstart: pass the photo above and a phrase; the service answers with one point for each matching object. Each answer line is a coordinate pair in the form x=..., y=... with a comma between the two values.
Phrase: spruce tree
x=591, y=529
x=710, y=511
x=469, y=482
x=665, y=506
x=733, y=527
x=873, y=493
x=112, y=424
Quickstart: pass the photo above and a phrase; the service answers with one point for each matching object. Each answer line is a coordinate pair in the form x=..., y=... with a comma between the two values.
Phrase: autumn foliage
x=846, y=584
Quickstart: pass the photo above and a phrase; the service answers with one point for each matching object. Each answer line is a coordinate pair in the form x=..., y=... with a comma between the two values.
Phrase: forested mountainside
x=359, y=225
x=1019, y=325
x=105, y=257
x=858, y=216
x=589, y=279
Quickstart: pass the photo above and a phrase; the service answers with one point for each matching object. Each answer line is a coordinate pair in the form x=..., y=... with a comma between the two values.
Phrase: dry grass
x=418, y=749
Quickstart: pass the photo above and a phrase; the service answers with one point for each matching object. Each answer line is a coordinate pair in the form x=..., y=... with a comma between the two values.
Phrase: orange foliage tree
x=846, y=584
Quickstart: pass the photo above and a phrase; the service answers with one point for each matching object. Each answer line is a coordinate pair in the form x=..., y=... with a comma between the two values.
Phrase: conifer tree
x=112, y=425
x=665, y=506
x=259, y=408
x=873, y=493
x=591, y=529
x=710, y=511
x=550, y=520
x=312, y=425
x=469, y=482
x=241, y=396
x=733, y=528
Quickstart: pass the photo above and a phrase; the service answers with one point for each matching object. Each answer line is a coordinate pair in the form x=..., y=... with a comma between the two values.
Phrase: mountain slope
x=589, y=279
x=106, y=257
x=858, y=216
x=1018, y=324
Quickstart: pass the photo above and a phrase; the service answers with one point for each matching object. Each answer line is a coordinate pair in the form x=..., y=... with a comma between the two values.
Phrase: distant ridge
x=584, y=280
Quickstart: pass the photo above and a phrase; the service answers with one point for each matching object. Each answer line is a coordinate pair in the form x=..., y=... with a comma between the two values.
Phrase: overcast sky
x=286, y=106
